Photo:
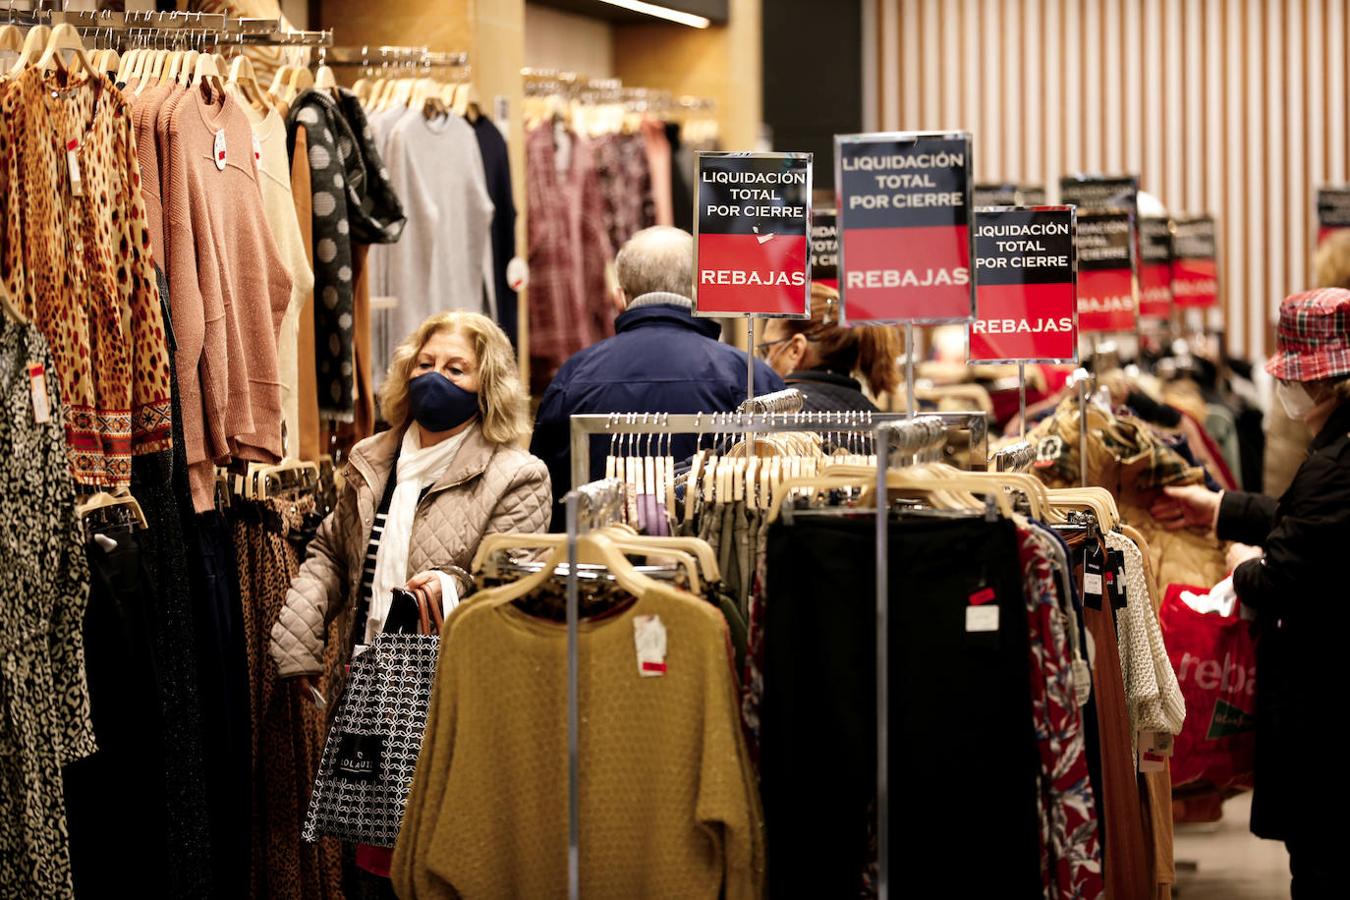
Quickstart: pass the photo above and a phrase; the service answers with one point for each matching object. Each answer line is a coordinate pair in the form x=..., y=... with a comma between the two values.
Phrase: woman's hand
x=1240, y=553
x=1192, y=506
x=429, y=582
x=308, y=686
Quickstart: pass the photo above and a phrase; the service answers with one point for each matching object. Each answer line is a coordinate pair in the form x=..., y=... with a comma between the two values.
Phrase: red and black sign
x=1333, y=211
x=1155, y=267
x=904, y=222
x=751, y=253
x=1025, y=308
x=1195, y=264
x=1100, y=192
x=1106, y=282
x=825, y=248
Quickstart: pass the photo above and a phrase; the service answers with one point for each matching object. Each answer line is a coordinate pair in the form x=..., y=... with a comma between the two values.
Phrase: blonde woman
x=419, y=497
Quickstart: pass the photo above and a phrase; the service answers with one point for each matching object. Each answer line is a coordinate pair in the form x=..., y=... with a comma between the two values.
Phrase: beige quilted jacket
x=488, y=488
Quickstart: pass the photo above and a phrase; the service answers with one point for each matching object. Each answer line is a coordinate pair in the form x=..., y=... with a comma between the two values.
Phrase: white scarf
x=418, y=467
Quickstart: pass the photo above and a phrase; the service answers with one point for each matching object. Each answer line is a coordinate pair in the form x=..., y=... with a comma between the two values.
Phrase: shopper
x=818, y=356
x=1296, y=587
x=662, y=359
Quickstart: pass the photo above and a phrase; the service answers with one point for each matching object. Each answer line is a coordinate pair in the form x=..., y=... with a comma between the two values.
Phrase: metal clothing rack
x=368, y=56
x=586, y=426
x=125, y=28
x=1016, y=457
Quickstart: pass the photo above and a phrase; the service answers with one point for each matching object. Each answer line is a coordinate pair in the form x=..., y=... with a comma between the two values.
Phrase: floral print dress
x=44, y=586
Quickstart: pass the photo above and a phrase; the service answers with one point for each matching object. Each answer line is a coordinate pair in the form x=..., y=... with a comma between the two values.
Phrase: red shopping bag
x=1214, y=656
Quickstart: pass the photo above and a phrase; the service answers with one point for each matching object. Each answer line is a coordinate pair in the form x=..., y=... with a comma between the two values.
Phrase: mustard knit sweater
x=669, y=806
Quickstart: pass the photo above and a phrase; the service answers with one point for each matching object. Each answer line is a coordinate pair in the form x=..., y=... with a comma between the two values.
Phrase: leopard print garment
x=288, y=730
x=81, y=266
x=44, y=586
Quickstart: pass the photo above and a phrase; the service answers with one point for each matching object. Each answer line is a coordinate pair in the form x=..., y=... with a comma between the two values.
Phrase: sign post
x=1025, y=289
x=752, y=227
x=904, y=205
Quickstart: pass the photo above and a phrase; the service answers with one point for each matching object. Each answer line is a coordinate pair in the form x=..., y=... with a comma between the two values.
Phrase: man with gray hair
x=660, y=360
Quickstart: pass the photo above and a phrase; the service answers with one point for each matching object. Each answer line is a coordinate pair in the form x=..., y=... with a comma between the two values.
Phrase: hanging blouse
x=77, y=258
x=44, y=587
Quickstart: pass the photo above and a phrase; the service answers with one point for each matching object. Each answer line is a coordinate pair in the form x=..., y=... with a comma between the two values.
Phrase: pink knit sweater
x=228, y=288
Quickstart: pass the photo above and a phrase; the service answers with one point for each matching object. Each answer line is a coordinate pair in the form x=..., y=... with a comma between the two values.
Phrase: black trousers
x=1316, y=870
x=116, y=806
x=963, y=758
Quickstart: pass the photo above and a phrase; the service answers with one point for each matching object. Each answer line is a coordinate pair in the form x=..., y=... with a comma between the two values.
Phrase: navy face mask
x=438, y=404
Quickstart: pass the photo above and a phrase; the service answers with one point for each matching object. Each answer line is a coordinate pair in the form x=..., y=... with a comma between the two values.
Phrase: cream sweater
x=274, y=180
x=1151, y=688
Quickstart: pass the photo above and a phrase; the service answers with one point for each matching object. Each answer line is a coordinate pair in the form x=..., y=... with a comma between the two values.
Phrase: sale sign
x=751, y=235
x=1155, y=267
x=1333, y=211
x=1106, y=280
x=904, y=222
x=1100, y=192
x=1195, y=263
x=825, y=248
x=1025, y=307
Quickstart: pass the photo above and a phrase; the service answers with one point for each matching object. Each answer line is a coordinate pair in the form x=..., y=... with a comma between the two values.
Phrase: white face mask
x=1295, y=399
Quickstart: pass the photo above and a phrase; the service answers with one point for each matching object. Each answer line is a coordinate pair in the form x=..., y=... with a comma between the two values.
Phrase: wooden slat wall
x=1235, y=107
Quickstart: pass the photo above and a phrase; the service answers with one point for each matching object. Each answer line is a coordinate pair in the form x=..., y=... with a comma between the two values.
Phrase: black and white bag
x=371, y=753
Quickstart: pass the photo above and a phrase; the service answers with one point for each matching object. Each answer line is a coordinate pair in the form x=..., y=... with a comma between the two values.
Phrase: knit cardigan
x=351, y=201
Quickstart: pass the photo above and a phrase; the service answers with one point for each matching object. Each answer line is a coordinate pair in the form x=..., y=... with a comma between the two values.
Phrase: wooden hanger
x=104, y=500
x=9, y=307
x=206, y=69
x=65, y=37
x=301, y=79
x=593, y=548
x=279, y=79
x=33, y=46
x=243, y=76
x=256, y=484
x=187, y=66
x=896, y=479
x=11, y=38
x=324, y=79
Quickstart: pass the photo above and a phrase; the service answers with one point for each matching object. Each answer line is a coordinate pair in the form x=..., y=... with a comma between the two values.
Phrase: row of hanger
x=414, y=88
x=42, y=47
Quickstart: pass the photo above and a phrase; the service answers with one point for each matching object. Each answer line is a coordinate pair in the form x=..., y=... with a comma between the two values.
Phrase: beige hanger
x=279, y=79
x=243, y=76
x=33, y=46
x=104, y=500
x=206, y=70
x=9, y=307
x=301, y=79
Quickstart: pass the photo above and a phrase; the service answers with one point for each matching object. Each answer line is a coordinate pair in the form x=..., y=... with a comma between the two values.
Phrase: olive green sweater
x=669, y=806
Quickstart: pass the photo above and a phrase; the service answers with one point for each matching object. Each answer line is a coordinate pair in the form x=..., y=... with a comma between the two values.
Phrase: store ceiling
x=715, y=10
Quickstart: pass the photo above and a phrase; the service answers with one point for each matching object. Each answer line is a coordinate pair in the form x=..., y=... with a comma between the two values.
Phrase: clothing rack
x=1016, y=457
x=788, y=400
x=367, y=56
x=208, y=28
x=585, y=426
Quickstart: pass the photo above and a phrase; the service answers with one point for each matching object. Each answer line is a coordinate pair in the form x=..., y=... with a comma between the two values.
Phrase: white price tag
x=257, y=153
x=37, y=387
x=981, y=618
x=73, y=167
x=649, y=638
x=1092, y=584
x=219, y=153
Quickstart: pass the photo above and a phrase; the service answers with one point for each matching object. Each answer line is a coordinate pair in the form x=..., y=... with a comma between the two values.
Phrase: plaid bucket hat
x=1313, y=338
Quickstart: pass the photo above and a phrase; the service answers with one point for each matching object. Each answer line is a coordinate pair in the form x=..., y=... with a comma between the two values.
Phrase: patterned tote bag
x=371, y=752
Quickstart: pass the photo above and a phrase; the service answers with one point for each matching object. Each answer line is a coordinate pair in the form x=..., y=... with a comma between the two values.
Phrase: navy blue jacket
x=661, y=360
